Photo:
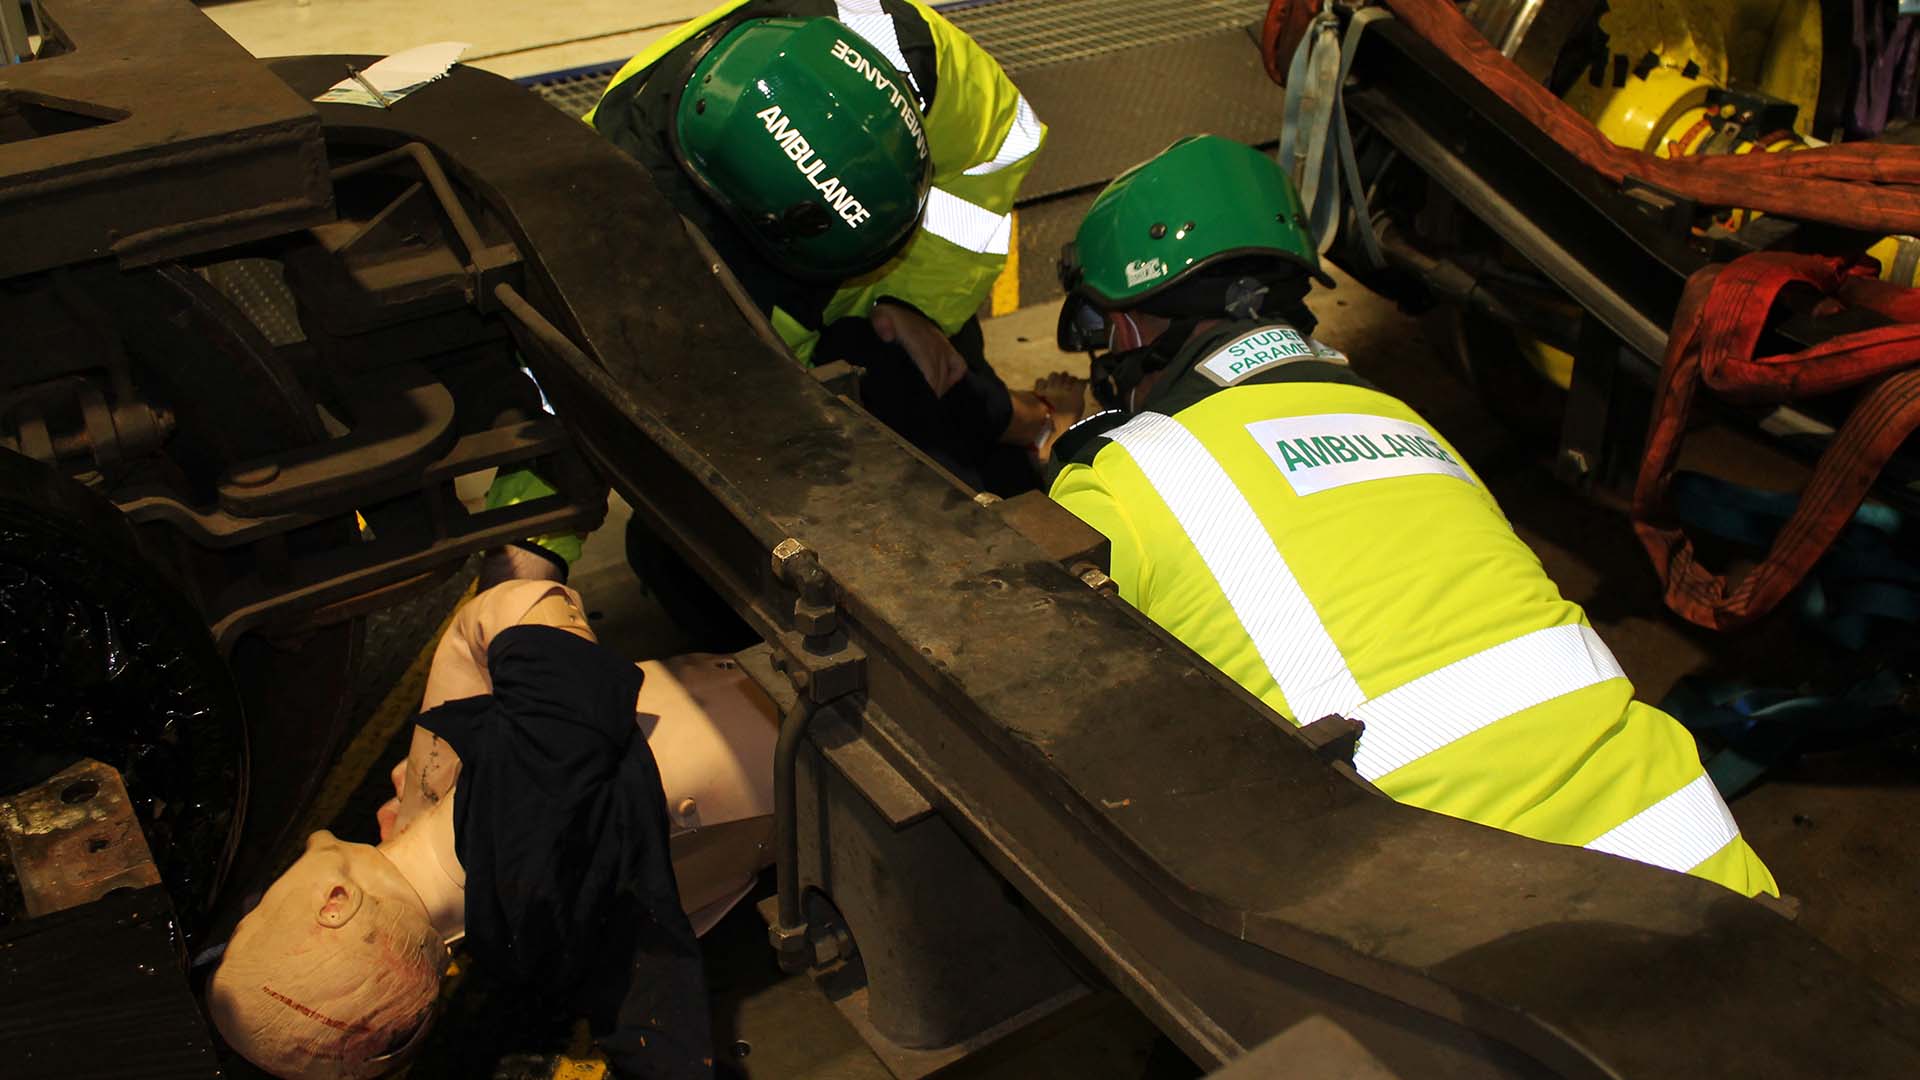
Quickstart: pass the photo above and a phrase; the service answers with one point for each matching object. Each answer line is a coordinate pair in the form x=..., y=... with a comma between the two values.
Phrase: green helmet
x=807, y=136
x=1159, y=234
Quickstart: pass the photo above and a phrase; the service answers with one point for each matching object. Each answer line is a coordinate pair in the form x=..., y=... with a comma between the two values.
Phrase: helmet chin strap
x=1118, y=373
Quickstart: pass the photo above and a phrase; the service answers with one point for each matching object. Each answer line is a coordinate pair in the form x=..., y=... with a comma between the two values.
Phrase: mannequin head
x=335, y=973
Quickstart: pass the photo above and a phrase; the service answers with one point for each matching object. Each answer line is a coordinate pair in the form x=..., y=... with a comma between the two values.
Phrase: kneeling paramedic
x=855, y=164
x=575, y=818
x=1320, y=544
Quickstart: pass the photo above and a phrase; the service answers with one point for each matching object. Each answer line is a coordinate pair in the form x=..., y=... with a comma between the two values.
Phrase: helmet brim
x=1187, y=273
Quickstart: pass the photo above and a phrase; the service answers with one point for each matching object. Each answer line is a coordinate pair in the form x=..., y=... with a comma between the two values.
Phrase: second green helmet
x=1202, y=202
x=811, y=141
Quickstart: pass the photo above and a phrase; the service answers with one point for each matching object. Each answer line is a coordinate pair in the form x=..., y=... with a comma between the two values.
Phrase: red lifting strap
x=1722, y=313
x=1867, y=186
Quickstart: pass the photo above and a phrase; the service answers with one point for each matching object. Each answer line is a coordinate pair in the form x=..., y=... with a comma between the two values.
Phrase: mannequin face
x=336, y=972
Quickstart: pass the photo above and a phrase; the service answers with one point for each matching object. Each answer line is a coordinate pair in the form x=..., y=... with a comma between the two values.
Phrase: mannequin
x=336, y=972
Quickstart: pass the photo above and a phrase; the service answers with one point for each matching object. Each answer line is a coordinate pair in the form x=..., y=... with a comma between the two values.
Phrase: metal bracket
x=74, y=839
x=1333, y=737
x=825, y=667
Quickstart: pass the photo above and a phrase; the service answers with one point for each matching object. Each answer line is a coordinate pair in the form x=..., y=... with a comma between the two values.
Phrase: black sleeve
x=545, y=675
x=560, y=823
x=1081, y=442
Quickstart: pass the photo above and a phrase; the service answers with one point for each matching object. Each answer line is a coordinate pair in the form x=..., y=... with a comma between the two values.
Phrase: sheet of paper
x=396, y=76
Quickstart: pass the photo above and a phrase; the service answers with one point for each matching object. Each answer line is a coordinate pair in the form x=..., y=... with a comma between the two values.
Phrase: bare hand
x=1065, y=393
x=939, y=362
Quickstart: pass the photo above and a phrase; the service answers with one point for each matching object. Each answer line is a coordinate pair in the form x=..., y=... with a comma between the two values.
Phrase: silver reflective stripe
x=864, y=17
x=1023, y=138
x=967, y=224
x=1416, y=718
x=1678, y=833
x=1276, y=614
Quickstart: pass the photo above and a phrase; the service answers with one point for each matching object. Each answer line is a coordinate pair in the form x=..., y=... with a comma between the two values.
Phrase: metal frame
x=1193, y=849
x=1622, y=253
x=1225, y=871
x=129, y=156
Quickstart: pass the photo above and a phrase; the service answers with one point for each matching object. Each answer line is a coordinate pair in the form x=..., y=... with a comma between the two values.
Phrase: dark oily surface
x=101, y=658
x=1161, y=773
x=163, y=136
x=97, y=991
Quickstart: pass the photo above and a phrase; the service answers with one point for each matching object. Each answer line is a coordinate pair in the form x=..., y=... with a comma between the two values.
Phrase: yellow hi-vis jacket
x=981, y=134
x=1325, y=548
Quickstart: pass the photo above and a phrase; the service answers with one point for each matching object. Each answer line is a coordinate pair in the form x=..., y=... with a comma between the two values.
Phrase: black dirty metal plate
x=99, y=991
x=156, y=136
x=1201, y=857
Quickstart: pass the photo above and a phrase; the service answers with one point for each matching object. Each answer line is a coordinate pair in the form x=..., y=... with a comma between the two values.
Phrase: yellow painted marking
x=363, y=753
x=580, y=1061
x=1005, y=299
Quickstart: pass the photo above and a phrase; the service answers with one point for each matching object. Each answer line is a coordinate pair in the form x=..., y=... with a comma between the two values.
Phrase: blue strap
x=1764, y=728
x=1864, y=580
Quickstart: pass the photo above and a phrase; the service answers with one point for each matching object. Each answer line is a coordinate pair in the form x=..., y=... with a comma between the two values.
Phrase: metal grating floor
x=1026, y=34
x=1021, y=34
x=574, y=92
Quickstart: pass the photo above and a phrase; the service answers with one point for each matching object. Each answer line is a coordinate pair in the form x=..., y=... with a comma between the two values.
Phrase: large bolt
x=815, y=620
x=790, y=944
x=784, y=553
x=830, y=943
x=1094, y=577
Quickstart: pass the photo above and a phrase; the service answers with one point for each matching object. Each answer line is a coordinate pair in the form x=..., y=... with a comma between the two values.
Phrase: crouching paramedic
x=1319, y=543
x=855, y=164
x=575, y=818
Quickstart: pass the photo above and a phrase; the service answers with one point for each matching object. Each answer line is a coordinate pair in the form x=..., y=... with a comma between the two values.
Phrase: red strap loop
x=1722, y=313
x=1868, y=186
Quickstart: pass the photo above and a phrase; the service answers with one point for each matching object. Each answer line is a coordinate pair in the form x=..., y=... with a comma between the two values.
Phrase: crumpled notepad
x=396, y=76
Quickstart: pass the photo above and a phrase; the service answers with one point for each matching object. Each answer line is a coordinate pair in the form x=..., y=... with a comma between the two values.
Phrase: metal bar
x=436, y=178
x=1606, y=248
x=15, y=48
x=1527, y=232
x=789, y=934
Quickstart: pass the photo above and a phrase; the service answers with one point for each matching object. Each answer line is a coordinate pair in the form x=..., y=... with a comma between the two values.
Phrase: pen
x=379, y=97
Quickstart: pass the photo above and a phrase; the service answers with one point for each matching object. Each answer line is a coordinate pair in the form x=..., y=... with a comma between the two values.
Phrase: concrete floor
x=505, y=37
